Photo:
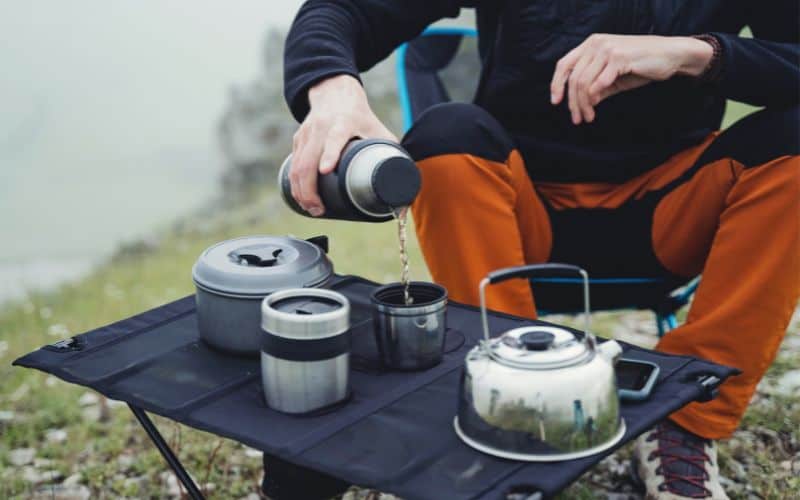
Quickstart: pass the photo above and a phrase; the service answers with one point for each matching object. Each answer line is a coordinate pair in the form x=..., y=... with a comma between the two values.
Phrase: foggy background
x=107, y=121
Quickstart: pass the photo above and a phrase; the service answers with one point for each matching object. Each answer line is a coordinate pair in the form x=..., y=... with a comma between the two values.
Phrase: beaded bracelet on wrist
x=714, y=67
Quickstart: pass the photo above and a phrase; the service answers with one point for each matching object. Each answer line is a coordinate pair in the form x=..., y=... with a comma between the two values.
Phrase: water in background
x=108, y=120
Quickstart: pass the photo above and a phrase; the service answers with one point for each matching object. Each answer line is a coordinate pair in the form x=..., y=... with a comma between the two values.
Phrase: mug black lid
x=306, y=306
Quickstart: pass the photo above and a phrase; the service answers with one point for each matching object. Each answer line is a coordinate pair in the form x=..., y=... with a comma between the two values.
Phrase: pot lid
x=259, y=265
x=305, y=313
x=539, y=347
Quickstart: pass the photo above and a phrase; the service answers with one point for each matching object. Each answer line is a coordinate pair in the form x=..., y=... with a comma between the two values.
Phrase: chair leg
x=672, y=321
x=665, y=323
x=660, y=325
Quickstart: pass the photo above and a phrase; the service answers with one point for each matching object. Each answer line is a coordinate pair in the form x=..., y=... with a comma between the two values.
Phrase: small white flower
x=56, y=435
x=113, y=291
x=88, y=399
x=58, y=330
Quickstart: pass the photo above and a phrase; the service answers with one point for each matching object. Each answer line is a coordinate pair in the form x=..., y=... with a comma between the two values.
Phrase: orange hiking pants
x=728, y=208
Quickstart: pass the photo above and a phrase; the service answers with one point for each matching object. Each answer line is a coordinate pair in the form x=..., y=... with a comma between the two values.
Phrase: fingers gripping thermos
x=372, y=179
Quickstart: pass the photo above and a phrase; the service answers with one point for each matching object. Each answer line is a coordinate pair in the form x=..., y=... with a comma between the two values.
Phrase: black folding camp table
x=394, y=433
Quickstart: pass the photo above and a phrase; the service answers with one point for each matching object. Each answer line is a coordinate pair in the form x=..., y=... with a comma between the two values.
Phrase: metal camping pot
x=410, y=337
x=539, y=393
x=305, y=351
x=233, y=277
x=373, y=178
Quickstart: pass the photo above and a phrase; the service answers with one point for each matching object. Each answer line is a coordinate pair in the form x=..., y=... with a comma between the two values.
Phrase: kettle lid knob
x=537, y=340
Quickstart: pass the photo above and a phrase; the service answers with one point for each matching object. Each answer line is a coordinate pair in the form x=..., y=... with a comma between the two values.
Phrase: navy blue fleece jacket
x=634, y=131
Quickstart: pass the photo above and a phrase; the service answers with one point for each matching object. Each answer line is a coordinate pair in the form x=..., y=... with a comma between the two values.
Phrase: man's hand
x=339, y=112
x=605, y=65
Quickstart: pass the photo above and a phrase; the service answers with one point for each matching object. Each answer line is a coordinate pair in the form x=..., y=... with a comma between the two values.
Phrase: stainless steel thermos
x=305, y=350
x=372, y=179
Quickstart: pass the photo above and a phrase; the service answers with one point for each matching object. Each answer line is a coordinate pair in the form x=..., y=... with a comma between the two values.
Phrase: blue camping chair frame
x=665, y=311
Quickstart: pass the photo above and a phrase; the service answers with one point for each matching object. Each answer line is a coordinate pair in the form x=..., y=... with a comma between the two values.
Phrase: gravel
x=138, y=482
x=72, y=480
x=789, y=383
x=61, y=492
x=88, y=399
x=92, y=413
x=125, y=461
x=36, y=476
x=21, y=456
x=55, y=435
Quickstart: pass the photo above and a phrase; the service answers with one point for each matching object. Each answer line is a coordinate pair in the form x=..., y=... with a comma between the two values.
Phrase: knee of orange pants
x=740, y=322
x=467, y=213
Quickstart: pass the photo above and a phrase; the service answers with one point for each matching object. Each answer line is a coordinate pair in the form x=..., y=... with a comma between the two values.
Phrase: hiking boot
x=672, y=463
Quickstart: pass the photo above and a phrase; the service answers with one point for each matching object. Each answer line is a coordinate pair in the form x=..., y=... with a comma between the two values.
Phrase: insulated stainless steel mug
x=305, y=351
x=410, y=337
x=372, y=179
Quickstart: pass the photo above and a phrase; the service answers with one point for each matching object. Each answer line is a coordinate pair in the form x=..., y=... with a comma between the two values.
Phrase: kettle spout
x=610, y=350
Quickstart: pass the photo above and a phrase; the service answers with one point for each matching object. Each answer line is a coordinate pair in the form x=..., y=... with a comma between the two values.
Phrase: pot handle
x=320, y=241
x=529, y=271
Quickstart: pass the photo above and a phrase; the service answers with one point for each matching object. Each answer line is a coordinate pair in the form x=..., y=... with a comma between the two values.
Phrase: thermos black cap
x=396, y=181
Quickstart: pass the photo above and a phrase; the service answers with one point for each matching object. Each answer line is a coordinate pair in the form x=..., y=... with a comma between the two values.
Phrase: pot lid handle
x=529, y=271
x=263, y=256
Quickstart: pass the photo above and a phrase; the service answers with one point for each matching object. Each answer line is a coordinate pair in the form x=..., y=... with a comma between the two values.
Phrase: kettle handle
x=529, y=271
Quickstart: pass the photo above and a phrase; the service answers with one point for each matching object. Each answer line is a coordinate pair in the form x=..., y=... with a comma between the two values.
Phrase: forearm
x=334, y=37
x=337, y=89
x=321, y=43
x=694, y=56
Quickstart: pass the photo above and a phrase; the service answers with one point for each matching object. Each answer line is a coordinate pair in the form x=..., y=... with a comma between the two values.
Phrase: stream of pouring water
x=401, y=214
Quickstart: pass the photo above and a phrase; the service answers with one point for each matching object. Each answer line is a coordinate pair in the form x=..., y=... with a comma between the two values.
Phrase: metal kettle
x=539, y=393
x=373, y=178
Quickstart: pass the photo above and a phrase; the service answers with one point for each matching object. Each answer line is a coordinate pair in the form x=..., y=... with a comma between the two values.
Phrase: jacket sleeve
x=331, y=37
x=764, y=70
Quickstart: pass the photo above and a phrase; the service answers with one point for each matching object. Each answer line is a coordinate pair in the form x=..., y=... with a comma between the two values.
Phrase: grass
x=143, y=276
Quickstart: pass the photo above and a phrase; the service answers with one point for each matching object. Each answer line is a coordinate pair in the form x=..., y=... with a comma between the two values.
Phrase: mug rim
x=403, y=309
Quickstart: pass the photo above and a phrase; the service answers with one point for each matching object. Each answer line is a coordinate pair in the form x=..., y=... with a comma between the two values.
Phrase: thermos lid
x=380, y=176
x=540, y=347
x=255, y=266
x=396, y=181
x=305, y=314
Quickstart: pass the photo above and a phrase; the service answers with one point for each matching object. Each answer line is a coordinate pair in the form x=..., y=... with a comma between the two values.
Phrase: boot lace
x=683, y=461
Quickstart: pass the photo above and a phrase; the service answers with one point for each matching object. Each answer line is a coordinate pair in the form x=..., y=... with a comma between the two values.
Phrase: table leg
x=167, y=453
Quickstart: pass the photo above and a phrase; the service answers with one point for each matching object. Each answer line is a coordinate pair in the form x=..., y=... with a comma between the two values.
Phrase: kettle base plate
x=525, y=457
